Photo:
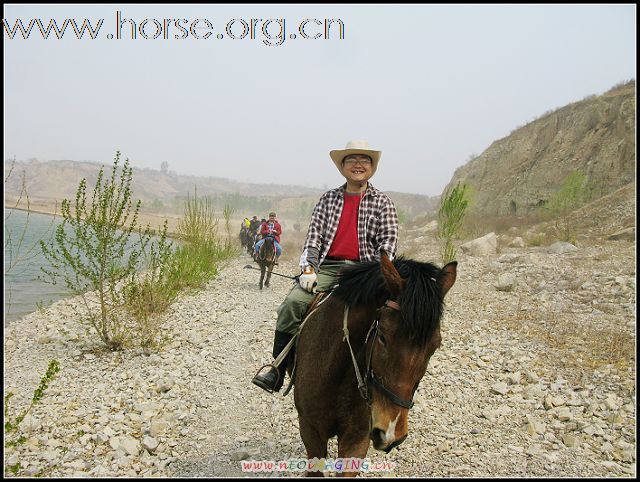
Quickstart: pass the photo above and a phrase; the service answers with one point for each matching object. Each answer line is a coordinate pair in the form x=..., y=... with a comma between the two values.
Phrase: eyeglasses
x=353, y=162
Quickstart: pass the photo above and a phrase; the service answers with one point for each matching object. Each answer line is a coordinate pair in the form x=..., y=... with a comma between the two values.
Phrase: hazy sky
x=427, y=85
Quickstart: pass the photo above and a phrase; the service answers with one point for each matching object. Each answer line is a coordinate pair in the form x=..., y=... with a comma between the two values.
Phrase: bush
x=148, y=293
x=453, y=205
x=191, y=265
x=11, y=425
x=573, y=193
x=92, y=250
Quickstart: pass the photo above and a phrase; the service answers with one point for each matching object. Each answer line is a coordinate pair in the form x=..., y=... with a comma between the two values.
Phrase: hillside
x=519, y=172
x=59, y=179
x=165, y=192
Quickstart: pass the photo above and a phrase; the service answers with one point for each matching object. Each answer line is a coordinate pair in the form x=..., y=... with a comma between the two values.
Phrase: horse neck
x=267, y=245
x=359, y=323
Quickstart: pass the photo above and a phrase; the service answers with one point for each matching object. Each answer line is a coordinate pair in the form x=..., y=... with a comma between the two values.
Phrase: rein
x=370, y=376
x=262, y=255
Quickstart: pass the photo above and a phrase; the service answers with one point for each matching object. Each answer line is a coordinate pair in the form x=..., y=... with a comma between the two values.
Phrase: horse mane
x=421, y=301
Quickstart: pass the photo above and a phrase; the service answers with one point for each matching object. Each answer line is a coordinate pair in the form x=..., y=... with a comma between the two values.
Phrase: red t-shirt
x=345, y=243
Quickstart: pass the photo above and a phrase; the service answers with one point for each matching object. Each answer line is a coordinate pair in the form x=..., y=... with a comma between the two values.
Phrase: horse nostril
x=377, y=436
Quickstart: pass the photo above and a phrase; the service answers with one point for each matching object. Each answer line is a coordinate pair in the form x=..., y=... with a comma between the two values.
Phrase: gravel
x=516, y=389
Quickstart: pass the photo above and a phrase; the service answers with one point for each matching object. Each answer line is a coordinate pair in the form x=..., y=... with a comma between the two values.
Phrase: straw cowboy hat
x=356, y=147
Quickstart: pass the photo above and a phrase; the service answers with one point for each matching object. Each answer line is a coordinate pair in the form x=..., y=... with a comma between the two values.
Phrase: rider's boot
x=268, y=380
x=275, y=263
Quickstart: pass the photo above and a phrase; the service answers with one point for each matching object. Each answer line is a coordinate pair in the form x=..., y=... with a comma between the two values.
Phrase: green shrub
x=573, y=193
x=92, y=250
x=148, y=293
x=453, y=205
x=11, y=425
x=190, y=266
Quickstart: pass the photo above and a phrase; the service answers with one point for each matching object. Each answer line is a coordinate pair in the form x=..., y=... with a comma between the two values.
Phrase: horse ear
x=447, y=276
x=392, y=278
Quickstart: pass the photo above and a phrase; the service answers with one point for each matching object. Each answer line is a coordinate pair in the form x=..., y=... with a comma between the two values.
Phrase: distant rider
x=270, y=227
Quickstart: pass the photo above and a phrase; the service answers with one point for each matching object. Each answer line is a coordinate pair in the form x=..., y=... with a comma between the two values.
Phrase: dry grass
x=571, y=341
x=292, y=242
x=479, y=224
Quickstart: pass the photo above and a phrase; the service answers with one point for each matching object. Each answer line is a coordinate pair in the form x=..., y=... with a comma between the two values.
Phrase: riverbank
x=155, y=221
x=532, y=380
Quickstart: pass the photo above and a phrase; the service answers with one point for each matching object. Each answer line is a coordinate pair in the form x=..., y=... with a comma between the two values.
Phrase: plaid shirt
x=377, y=224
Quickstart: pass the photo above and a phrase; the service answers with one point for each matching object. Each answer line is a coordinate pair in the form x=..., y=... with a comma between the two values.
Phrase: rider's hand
x=308, y=280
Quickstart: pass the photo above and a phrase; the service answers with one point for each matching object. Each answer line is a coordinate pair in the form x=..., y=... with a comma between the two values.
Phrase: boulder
x=487, y=244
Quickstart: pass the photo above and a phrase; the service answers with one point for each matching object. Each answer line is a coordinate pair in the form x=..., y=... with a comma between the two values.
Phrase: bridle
x=262, y=255
x=370, y=376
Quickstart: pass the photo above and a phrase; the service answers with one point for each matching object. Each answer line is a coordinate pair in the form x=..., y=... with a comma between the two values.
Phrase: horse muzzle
x=382, y=442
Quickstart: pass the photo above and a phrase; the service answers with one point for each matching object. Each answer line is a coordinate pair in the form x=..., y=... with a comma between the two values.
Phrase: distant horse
x=244, y=237
x=266, y=258
x=393, y=324
x=252, y=239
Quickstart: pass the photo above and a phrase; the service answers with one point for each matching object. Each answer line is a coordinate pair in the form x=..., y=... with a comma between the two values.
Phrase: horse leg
x=269, y=275
x=262, y=269
x=315, y=444
x=354, y=444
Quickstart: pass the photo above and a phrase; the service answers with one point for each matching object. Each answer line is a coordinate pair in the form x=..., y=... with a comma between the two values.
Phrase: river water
x=24, y=291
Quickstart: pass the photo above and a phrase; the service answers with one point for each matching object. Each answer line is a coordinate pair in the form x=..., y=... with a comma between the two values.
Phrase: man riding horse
x=254, y=225
x=270, y=227
x=350, y=224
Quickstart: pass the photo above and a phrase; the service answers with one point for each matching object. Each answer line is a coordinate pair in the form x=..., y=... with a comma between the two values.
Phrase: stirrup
x=270, y=390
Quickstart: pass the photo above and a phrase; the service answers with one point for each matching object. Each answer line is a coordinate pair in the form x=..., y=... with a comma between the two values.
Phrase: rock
x=570, y=441
x=612, y=403
x=165, y=385
x=510, y=258
x=564, y=414
x=487, y=244
x=30, y=424
x=239, y=455
x=514, y=378
x=627, y=234
x=149, y=443
x=506, y=282
x=158, y=427
x=130, y=445
x=517, y=242
x=534, y=450
x=500, y=388
x=561, y=247
x=606, y=448
x=611, y=465
x=114, y=442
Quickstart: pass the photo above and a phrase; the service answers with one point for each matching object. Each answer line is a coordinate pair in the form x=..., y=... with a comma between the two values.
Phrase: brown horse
x=266, y=258
x=393, y=325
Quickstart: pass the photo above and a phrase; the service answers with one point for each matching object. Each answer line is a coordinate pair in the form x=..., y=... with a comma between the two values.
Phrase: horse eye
x=381, y=339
